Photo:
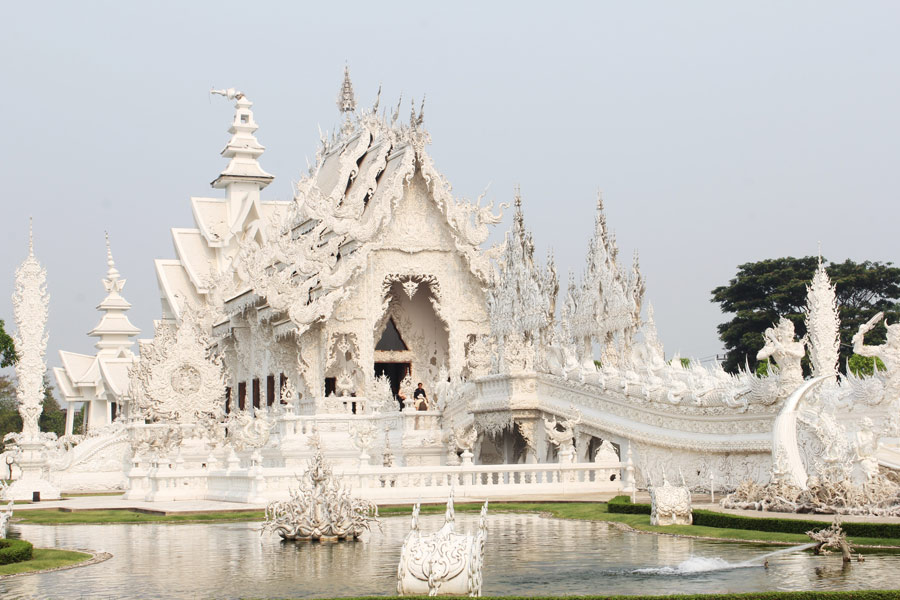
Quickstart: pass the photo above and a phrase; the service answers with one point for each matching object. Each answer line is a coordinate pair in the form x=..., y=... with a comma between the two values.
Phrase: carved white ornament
x=177, y=380
x=670, y=505
x=444, y=562
x=321, y=508
x=30, y=308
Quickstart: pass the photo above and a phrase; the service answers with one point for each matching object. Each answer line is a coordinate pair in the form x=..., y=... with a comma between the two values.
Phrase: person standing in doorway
x=420, y=398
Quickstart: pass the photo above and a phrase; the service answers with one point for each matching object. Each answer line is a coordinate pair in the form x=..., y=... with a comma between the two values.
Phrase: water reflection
x=525, y=554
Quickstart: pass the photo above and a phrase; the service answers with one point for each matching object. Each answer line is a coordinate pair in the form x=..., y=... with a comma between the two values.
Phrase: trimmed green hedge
x=13, y=551
x=623, y=505
x=708, y=518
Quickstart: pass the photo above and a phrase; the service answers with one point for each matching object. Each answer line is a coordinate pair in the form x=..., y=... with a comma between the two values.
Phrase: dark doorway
x=395, y=372
x=390, y=339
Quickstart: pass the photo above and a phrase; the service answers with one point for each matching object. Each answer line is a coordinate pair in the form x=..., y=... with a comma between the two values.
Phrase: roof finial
x=820, y=253
x=230, y=93
x=346, y=101
x=112, y=273
x=30, y=236
x=243, y=148
x=377, y=100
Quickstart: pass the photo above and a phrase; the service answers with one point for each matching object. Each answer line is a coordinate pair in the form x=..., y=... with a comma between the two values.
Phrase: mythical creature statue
x=787, y=352
x=246, y=431
x=444, y=562
x=832, y=536
x=670, y=505
x=889, y=352
x=320, y=508
x=564, y=439
x=464, y=438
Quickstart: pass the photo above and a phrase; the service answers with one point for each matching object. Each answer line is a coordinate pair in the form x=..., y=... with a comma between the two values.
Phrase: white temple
x=317, y=318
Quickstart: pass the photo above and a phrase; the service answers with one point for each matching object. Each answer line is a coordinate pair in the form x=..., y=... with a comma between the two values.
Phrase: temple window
x=270, y=390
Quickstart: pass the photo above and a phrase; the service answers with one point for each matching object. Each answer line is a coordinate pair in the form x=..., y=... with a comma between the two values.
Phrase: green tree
x=10, y=420
x=52, y=418
x=864, y=365
x=763, y=291
x=8, y=355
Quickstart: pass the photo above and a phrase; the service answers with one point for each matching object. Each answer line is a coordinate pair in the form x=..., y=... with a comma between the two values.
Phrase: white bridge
x=164, y=482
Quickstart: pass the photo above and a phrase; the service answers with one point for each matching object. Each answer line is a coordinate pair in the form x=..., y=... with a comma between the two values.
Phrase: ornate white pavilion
x=288, y=325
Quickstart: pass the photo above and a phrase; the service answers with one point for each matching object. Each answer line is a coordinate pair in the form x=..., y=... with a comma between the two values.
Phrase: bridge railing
x=381, y=484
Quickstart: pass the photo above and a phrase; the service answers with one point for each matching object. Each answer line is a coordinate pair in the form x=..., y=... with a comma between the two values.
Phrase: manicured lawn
x=57, y=517
x=45, y=559
x=594, y=511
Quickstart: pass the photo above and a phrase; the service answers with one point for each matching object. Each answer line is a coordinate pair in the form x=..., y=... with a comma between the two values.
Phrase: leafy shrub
x=13, y=551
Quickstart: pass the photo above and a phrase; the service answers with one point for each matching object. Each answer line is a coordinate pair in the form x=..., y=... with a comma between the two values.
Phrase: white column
x=70, y=418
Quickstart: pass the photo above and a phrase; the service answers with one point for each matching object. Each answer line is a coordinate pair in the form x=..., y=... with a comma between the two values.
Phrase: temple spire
x=112, y=274
x=30, y=237
x=243, y=173
x=114, y=328
x=346, y=100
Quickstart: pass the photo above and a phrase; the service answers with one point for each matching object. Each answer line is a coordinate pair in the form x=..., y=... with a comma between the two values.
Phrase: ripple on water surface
x=525, y=554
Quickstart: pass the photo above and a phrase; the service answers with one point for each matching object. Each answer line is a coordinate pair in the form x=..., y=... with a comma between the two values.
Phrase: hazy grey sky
x=719, y=132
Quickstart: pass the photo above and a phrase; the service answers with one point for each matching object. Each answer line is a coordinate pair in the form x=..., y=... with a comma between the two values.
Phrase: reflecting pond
x=525, y=555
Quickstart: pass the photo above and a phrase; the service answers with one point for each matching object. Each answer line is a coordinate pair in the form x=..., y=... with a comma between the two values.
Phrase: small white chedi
x=443, y=562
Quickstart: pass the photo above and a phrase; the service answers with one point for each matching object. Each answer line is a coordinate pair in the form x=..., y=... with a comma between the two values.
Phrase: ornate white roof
x=84, y=377
x=300, y=257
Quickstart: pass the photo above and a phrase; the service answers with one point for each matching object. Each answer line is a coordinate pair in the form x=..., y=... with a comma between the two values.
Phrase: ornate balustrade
x=290, y=425
x=171, y=481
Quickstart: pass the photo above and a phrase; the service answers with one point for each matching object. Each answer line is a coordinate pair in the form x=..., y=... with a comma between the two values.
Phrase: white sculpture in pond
x=320, y=509
x=444, y=562
x=670, y=505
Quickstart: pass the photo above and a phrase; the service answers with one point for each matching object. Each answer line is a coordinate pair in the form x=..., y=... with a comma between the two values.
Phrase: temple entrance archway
x=411, y=337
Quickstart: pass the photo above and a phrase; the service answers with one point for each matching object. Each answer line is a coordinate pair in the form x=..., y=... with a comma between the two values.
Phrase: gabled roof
x=345, y=204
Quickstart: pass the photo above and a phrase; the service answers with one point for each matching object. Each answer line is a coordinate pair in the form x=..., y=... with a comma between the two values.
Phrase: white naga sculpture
x=444, y=562
x=670, y=505
x=320, y=508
